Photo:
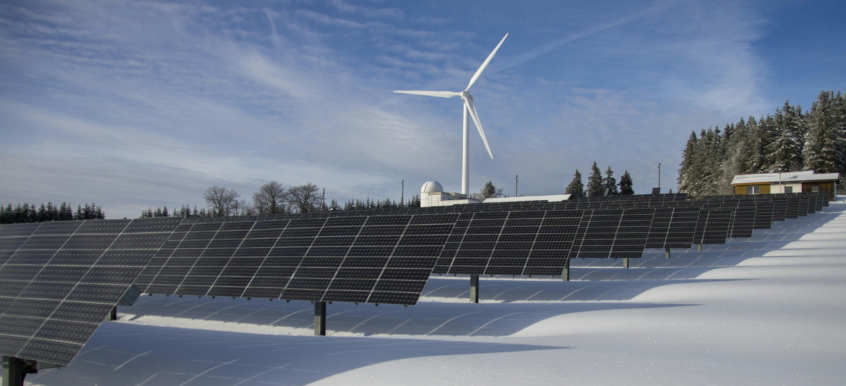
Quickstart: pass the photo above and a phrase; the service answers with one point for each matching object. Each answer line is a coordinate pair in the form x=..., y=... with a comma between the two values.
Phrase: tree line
x=598, y=185
x=272, y=198
x=789, y=140
x=31, y=213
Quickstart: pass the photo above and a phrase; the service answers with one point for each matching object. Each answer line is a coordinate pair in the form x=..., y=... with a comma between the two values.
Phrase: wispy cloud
x=136, y=103
x=392, y=13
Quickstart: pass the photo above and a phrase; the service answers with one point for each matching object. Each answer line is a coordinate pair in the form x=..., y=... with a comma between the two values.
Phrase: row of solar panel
x=59, y=279
x=820, y=200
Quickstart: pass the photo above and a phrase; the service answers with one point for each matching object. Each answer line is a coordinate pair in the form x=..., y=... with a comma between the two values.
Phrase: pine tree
x=626, y=183
x=576, y=189
x=609, y=183
x=821, y=141
x=839, y=121
x=594, y=186
x=786, y=149
x=686, y=170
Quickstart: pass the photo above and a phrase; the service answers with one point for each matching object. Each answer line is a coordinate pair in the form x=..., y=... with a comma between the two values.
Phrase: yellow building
x=792, y=182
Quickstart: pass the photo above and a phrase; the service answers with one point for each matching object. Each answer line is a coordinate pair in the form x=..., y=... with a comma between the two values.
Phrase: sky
x=137, y=104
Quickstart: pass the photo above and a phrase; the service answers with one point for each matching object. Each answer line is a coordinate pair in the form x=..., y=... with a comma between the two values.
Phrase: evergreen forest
x=788, y=140
x=29, y=213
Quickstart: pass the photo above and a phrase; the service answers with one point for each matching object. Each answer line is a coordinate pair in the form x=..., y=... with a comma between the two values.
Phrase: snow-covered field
x=770, y=310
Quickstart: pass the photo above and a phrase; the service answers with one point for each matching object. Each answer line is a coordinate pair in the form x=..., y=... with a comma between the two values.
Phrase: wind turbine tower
x=470, y=110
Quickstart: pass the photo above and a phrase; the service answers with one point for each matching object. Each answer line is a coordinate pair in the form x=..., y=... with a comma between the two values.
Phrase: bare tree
x=244, y=208
x=270, y=198
x=304, y=198
x=221, y=200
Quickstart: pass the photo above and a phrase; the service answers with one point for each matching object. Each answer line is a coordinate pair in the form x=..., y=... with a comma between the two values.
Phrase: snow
x=768, y=310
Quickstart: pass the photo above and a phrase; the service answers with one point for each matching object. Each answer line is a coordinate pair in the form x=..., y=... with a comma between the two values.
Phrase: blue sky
x=137, y=104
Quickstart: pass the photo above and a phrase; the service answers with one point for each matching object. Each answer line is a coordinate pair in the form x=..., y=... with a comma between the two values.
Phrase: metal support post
x=566, y=273
x=667, y=252
x=700, y=247
x=16, y=369
x=112, y=314
x=626, y=263
x=319, y=318
x=474, y=288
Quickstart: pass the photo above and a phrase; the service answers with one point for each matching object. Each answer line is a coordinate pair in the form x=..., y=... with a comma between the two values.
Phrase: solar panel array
x=65, y=277
x=59, y=280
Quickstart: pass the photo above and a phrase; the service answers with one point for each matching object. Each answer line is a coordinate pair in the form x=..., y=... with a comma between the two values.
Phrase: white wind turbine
x=468, y=107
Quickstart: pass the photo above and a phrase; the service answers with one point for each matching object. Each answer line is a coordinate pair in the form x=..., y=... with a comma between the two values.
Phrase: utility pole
x=659, y=175
x=515, y=185
x=402, y=195
x=324, y=198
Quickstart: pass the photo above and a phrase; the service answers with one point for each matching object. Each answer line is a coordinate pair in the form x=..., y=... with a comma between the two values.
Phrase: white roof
x=790, y=177
x=550, y=198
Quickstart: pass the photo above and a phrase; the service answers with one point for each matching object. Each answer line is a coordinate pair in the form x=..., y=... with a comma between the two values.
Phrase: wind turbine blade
x=439, y=94
x=485, y=64
x=478, y=124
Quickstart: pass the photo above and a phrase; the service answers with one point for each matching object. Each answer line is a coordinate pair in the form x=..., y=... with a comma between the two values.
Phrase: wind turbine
x=468, y=107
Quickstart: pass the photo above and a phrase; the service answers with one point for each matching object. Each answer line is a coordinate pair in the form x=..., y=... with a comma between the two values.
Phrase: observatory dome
x=432, y=187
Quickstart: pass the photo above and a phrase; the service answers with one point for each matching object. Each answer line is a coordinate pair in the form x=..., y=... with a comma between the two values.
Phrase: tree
x=304, y=198
x=270, y=198
x=488, y=191
x=576, y=189
x=609, y=183
x=594, y=186
x=221, y=201
x=626, y=183
x=820, y=143
x=243, y=208
x=789, y=140
x=686, y=178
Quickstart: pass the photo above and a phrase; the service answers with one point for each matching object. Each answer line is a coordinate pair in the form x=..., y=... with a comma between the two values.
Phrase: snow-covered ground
x=770, y=310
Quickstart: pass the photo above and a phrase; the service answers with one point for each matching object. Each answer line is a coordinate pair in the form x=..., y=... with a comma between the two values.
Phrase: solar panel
x=454, y=240
x=660, y=228
x=70, y=275
x=682, y=228
x=477, y=243
x=373, y=259
x=763, y=214
x=596, y=233
x=779, y=209
x=715, y=227
x=549, y=252
x=630, y=237
x=818, y=202
x=804, y=202
x=743, y=221
x=792, y=206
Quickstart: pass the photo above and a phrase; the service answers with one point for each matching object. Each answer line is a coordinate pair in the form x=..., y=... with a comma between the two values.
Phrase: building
x=432, y=194
x=550, y=198
x=792, y=182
